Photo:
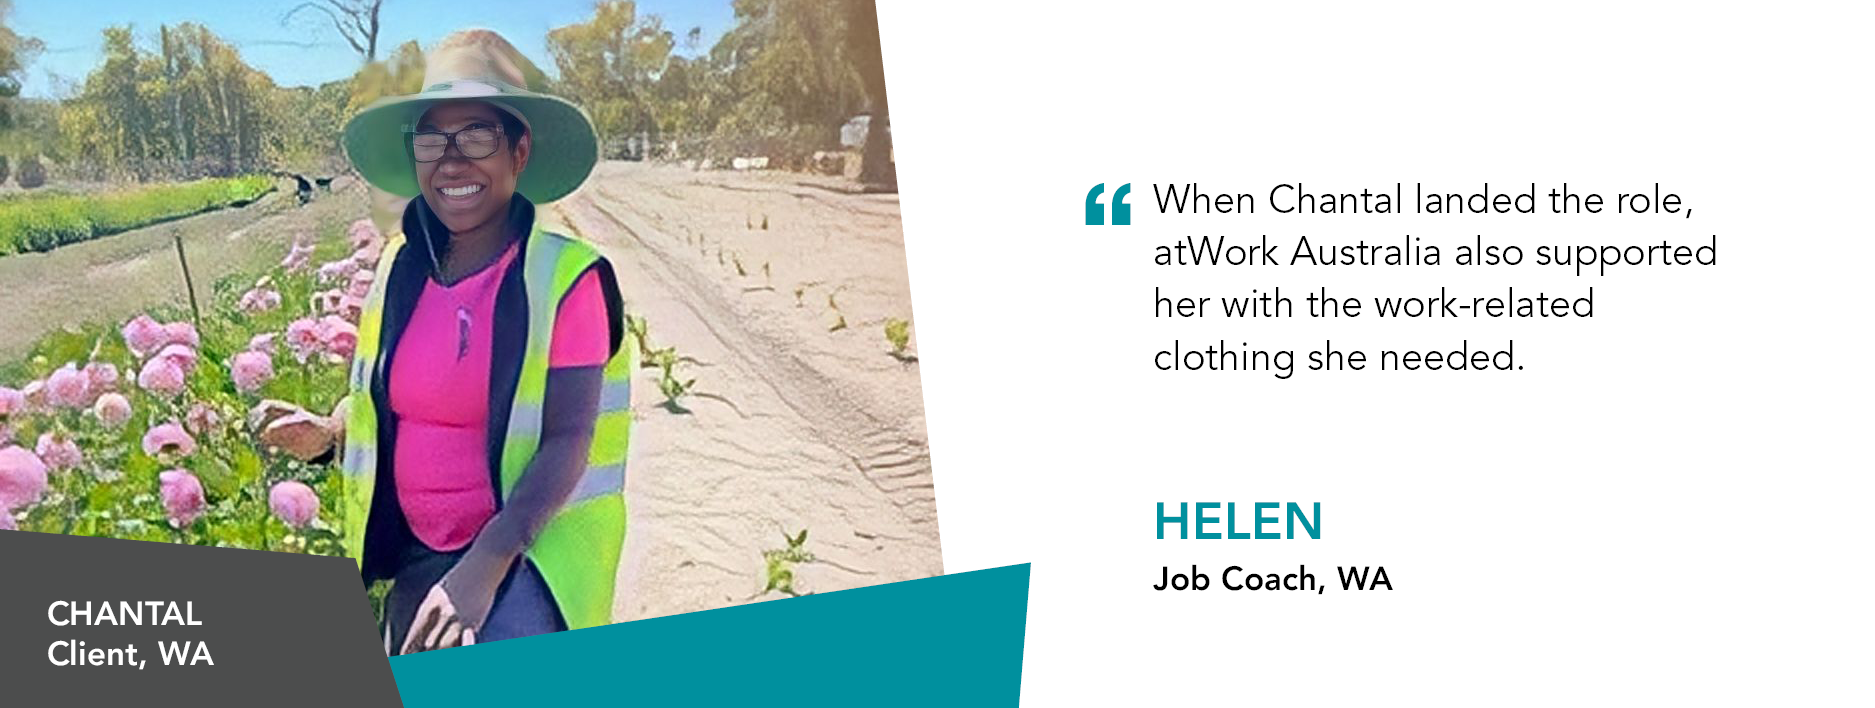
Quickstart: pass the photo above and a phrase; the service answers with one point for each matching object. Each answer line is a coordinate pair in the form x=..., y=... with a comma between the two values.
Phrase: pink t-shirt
x=439, y=392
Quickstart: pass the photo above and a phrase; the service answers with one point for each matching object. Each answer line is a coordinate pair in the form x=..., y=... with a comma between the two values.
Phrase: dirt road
x=797, y=427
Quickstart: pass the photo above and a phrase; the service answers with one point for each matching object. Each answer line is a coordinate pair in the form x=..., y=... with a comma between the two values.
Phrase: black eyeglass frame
x=449, y=141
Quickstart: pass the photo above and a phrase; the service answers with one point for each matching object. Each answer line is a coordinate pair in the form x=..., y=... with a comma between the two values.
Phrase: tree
x=612, y=64
x=15, y=53
x=862, y=38
x=400, y=73
x=191, y=108
x=355, y=20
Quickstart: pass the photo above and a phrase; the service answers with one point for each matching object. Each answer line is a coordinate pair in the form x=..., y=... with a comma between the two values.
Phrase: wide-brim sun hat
x=475, y=65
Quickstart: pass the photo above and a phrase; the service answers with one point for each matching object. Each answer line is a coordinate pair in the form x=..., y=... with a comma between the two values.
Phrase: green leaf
x=247, y=465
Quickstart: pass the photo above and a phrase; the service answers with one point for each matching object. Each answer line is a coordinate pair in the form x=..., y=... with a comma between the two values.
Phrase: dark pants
x=523, y=605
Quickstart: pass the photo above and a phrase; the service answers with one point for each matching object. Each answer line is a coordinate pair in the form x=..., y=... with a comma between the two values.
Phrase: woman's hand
x=437, y=625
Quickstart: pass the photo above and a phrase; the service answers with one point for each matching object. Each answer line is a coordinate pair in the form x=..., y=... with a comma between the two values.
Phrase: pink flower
x=361, y=284
x=35, y=394
x=367, y=257
x=68, y=388
x=102, y=375
x=302, y=337
x=251, y=370
x=144, y=336
x=338, y=336
x=12, y=402
x=297, y=258
x=6, y=521
x=112, y=409
x=168, y=438
x=201, y=419
x=296, y=504
x=330, y=301
x=58, y=452
x=182, y=333
x=182, y=497
x=259, y=300
x=351, y=308
x=22, y=478
x=363, y=233
x=338, y=270
x=262, y=342
x=181, y=355
x=162, y=376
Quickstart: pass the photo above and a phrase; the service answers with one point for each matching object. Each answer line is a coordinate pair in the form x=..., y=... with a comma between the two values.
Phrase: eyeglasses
x=474, y=142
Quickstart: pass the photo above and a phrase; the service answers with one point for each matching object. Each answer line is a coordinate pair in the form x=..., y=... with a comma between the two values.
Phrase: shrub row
x=44, y=222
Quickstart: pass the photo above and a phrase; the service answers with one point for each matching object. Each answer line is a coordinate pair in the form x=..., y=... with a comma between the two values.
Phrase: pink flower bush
x=201, y=419
x=144, y=336
x=102, y=376
x=22, y=478
x=295, y=503
x=68, y=388
x=74, y=418
x=168, y=438
x=112, y=409
x=183, y=498
x=251, y=370
x=163, y=376
x=260, y=300
x=302, y=337
x=338, y=336
x=58, y=452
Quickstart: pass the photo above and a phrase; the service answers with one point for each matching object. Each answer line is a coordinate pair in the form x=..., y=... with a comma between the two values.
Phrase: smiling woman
x=469, y=155
x=485, y=460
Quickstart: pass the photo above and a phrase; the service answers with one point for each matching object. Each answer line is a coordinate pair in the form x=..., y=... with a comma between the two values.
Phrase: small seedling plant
x=898, y=333
x=781, y=563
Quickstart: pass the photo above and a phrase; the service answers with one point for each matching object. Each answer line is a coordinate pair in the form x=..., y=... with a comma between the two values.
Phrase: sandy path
x=113, y=278
x=799, y=427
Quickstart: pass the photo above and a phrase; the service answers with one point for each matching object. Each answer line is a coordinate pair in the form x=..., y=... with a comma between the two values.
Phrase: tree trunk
x=876, y=169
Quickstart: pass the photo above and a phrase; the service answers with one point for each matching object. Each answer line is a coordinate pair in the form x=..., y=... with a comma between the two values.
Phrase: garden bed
x=42, y=222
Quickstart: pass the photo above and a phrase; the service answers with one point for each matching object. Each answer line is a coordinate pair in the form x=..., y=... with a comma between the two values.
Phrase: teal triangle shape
x=947, y=640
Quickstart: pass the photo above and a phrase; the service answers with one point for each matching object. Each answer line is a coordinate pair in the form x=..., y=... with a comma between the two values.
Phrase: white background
x=1668, y=505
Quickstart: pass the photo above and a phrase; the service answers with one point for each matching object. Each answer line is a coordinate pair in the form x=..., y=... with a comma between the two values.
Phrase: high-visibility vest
x=577, y=552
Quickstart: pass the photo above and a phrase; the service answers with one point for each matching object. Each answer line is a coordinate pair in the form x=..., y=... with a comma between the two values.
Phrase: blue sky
x=308, y=51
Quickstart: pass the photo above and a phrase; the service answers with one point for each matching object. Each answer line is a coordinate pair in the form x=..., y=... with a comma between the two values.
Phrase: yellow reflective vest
x=577, y=552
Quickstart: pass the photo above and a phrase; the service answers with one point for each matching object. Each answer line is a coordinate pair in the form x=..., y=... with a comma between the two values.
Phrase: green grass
x=44, y=222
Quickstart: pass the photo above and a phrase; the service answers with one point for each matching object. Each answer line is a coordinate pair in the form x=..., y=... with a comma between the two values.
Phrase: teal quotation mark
x=1122, y=211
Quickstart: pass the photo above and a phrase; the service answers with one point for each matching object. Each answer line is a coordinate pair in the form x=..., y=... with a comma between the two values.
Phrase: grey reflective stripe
x=359, y=459
x=543, y=260
x=524, y=421
x=598, y=482
x=615, y=396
